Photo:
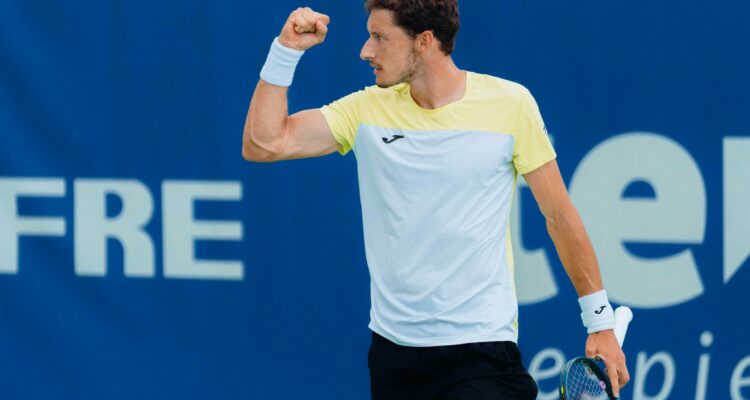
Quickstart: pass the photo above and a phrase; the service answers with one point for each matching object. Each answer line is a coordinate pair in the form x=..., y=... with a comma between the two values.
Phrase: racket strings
x=583, y=384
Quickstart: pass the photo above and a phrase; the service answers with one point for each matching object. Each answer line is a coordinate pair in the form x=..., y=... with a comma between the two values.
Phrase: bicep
x=307, y=134
x=549, y=189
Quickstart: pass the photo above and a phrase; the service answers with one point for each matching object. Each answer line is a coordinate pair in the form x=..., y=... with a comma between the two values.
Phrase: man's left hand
x=604, y=345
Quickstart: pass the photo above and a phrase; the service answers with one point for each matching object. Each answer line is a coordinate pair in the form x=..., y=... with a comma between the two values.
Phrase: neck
x=437, y=83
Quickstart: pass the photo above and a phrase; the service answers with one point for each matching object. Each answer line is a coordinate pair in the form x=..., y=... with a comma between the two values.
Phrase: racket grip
x=623, y=316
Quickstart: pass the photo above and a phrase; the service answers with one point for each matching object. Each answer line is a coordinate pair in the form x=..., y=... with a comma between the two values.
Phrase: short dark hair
x=417, y=16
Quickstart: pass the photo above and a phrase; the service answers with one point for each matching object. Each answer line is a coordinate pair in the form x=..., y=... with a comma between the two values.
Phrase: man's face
x=389, y=50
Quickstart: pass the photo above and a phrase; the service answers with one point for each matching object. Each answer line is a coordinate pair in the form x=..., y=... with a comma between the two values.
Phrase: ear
x=424, y=41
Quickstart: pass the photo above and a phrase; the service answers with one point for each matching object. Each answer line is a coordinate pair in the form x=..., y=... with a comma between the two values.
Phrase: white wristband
x=596, y=312
x=280, y=64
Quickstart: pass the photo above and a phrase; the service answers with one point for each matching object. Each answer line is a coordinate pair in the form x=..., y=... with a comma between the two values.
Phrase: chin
x=383, y=84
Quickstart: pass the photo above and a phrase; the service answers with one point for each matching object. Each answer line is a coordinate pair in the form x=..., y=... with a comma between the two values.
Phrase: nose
x=366, y=53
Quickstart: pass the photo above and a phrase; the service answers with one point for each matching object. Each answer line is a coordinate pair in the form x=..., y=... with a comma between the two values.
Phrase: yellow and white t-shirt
x=436, y=189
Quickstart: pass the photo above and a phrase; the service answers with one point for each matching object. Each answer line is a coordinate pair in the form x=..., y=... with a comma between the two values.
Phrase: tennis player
x=438, y=150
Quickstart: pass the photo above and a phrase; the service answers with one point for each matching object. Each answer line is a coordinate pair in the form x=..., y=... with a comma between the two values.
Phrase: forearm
x=265, y=122
x=577, y=255
x=575, y=250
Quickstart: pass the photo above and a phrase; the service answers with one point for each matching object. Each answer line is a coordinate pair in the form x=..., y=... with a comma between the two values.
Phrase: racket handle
x=623, y=316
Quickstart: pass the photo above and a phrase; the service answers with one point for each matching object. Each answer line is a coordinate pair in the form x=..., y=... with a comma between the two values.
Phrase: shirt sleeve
x=344, y=117
x=532, y=147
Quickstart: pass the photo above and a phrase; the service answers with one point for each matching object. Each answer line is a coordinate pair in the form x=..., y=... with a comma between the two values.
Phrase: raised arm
x=270, y=134
x=577, y=255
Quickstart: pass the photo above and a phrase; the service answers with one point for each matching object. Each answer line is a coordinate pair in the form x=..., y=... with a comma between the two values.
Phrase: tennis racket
x=584, y=378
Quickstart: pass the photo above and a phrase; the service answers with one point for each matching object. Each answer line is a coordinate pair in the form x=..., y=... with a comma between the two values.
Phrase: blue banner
x=142, y=257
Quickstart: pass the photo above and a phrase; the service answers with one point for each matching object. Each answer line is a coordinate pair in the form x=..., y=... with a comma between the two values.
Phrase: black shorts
x=472, y=371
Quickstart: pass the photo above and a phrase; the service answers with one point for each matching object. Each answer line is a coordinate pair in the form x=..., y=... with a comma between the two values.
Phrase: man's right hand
x=305, y=28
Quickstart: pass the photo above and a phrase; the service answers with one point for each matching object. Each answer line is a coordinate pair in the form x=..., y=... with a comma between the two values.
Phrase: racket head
x=584, y=379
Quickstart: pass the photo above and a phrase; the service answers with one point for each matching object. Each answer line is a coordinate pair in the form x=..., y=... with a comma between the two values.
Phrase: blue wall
x=115, y=112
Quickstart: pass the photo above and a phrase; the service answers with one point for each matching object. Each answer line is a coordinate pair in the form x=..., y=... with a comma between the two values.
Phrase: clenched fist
x=305, y=28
